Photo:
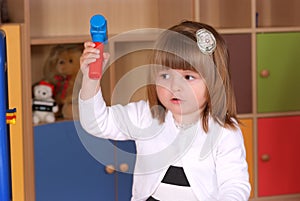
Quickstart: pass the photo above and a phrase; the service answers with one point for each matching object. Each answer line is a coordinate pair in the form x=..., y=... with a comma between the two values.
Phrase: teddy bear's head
x=63, y=60
x=43, y=91
x=68, y=62
x=43, y=105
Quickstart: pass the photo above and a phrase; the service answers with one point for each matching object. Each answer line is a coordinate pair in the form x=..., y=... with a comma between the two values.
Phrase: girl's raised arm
x=90, y=87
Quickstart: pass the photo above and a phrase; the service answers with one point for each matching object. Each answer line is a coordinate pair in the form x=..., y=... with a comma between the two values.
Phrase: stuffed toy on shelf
x=43, y=105
x=62, y=70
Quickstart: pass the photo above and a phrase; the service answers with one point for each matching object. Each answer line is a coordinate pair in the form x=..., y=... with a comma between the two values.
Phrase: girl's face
x=183, y=92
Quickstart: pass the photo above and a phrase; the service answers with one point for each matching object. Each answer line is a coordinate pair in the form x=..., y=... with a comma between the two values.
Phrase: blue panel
x=125, y=180
x=65, y=170
x=4, y=150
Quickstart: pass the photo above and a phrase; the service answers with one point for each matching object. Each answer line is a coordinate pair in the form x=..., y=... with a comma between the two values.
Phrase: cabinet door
x=239, y=46
x=247, y=130
x=278, y=155
x=64, y=169
x=278, y=72
x=126, y=155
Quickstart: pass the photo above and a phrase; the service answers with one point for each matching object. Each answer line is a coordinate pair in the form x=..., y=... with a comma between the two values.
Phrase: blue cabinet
x=70, y=165
x=5, y=187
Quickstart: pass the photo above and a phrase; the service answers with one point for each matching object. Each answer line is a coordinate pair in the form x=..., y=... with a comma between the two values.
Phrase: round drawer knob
x=110, y=169
x=124, y=167
x=265, y=157
x=264, y=73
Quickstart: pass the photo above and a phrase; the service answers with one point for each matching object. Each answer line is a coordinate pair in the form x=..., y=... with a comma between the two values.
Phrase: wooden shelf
x=278, y=114
x=58, y=40
x=235, y=31
x=147, y=34
x=277, y=29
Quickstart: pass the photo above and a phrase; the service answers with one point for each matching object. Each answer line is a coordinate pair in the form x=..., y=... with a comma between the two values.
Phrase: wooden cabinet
x=261, y=35
x=70, y=164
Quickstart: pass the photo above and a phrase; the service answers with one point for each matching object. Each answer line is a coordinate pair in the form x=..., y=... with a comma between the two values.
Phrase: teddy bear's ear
x=49, y=68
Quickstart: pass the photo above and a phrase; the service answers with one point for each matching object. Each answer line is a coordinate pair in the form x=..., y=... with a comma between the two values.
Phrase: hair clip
x=206, y=41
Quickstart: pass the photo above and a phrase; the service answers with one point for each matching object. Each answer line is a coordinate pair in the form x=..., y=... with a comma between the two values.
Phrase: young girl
x=189, y=146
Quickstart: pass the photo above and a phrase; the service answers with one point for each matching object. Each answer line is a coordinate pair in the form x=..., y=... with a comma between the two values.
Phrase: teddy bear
x=62, y=70
x=43, y=105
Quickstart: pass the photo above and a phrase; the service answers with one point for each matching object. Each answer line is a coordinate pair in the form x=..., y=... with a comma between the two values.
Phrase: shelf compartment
x=130, y=75
x=50, y=18
x=225, y=14
x=239, y=46
x=277, y=13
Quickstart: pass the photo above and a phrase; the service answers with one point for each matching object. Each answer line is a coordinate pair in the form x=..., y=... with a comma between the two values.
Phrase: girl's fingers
x=89, y=47
x=86, y=61
x=91, y=50
x=89, y=44
x=89, y=55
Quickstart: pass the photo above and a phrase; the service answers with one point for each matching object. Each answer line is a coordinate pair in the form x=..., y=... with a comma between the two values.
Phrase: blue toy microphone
x=98, y=33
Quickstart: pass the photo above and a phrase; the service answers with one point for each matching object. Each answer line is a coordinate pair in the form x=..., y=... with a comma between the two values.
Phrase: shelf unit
x=46, y=23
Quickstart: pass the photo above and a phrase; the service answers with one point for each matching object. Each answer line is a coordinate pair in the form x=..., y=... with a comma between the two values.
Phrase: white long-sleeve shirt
x=214, y=162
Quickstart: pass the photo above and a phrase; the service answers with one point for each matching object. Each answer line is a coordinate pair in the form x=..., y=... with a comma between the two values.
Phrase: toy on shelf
x=43, y=105
x=62, y=70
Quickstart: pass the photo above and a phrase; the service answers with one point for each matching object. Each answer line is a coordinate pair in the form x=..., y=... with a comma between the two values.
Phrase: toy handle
x=98, y=33
x=95, y=68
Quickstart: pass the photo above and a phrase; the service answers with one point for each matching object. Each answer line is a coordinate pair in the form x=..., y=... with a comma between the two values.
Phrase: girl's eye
x=165, y=76
x=189, y=77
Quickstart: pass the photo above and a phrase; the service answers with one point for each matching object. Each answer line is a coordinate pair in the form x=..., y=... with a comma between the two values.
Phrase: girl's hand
x=89, y=55
x=89, y=86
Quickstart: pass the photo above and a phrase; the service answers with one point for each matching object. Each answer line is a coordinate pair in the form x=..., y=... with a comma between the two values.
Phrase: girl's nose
x=176, y=84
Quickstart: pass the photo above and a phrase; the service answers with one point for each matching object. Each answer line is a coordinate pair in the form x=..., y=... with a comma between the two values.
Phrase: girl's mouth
x=175, y=100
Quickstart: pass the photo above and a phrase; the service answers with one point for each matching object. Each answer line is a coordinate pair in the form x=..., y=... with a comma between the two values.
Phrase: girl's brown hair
x=177, y=48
